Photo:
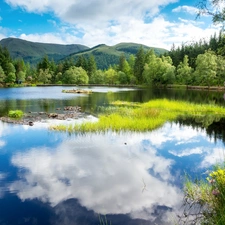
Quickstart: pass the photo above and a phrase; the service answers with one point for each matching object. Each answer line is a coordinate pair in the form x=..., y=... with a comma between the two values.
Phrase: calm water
x=127, y=178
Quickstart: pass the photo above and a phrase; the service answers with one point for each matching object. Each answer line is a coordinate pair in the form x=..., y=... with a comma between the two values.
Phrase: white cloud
x=187, y=152
x=188, y=9
x=94, y=22
x=213, y=156
x=158, y=33
x=93, y=10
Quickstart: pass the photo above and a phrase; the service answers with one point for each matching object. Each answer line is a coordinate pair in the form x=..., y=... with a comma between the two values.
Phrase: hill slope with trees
x=33, y=52
x=110, y=55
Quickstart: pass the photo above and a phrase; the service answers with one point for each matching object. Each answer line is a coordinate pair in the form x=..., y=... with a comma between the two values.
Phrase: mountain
x=109, y=55
x=33, y=52
x=105, y=56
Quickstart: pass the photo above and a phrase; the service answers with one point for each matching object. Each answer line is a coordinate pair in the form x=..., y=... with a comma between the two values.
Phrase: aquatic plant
x=204, y=201
x=16, y=114
x=104, y=221
x=129, y=116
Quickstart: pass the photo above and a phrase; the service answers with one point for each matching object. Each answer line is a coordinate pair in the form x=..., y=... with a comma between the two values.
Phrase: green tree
x=2, y=75
x=131, y=62
x=151, y=69
x=10, y=73
x=44, y=64
x=184, y=72
x=44, y=76
x=139, y=65
x=20, y=70
x=206, y=68
x=159, y=70
x=91, y=66
x=82, y=62
x=220, y=73
x=21, y=76
x=75, y=75
x=167, y=70
x=98, y=77
x=111, y=76
x=123, y=78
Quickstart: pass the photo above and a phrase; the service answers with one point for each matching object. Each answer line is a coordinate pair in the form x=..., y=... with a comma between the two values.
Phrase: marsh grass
x=204, y=199
x=129, y=116
x=15, y=114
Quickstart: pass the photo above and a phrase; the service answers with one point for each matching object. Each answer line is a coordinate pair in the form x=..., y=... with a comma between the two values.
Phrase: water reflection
x=106, y=175
x=136, y=176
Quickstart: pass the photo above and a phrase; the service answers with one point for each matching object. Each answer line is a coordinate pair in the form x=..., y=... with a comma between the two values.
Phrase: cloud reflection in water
x=102, y=172
x=129, y=173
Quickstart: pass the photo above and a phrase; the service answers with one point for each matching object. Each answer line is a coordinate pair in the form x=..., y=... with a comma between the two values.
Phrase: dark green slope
x=109, y=55
x=33, y=52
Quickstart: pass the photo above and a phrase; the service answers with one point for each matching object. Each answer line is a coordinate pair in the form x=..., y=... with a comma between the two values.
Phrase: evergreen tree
x=139, y=65
x=82, y=62
x=91, y=66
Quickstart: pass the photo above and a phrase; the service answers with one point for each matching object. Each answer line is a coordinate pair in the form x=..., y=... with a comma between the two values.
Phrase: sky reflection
x=126, y=173
x=106, y=175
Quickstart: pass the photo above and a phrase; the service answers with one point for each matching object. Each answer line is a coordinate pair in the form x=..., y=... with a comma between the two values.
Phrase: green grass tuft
x=15, y=114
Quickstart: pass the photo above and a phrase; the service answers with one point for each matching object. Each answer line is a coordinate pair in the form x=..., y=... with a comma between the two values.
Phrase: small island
x=77, y=91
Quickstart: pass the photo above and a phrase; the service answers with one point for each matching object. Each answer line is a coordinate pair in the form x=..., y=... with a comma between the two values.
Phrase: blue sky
x=157, y=23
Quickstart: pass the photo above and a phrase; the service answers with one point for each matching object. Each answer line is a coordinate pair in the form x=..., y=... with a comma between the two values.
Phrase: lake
x=48, y=177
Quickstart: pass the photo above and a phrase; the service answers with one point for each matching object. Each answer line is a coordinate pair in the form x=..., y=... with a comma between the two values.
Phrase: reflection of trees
x=214, y=126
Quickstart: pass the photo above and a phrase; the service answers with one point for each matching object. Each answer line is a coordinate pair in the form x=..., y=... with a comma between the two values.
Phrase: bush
x=17, y=114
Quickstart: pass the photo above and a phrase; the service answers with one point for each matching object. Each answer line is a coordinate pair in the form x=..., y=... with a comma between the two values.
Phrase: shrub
x=17, y=114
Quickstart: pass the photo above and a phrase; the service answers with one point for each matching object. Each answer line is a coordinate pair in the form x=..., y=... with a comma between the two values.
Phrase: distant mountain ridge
x=109, y=55
x=33, y=52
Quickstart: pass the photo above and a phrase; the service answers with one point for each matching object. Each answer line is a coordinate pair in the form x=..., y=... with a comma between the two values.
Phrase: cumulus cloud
x=158, y=33
x=74, y=11
x=110, y=22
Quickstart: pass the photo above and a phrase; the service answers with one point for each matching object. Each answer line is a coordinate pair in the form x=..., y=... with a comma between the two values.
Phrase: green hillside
x=109, y=55
x=105, y=56
x=33, y=52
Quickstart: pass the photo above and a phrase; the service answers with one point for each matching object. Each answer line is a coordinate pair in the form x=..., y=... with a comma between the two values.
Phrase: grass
x=15, y=114
x=128, y=116
x=208, y=197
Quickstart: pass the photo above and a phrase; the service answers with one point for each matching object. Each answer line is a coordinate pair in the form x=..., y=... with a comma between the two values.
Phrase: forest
x=199, y=63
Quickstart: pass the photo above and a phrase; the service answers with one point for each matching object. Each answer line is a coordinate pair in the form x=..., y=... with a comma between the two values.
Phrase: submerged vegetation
x=126, y=116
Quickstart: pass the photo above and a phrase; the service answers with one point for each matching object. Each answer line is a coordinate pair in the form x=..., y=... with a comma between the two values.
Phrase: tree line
x=197, y=63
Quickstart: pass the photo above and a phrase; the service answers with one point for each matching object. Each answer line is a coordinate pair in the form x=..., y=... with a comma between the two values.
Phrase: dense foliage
x=201, y=63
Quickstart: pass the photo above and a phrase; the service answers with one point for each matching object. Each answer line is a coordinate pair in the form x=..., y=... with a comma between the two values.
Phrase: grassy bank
x=126, y=116
x=205, y=199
